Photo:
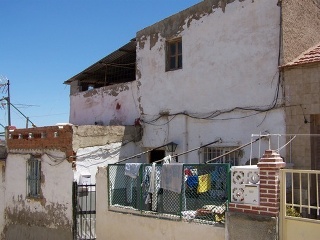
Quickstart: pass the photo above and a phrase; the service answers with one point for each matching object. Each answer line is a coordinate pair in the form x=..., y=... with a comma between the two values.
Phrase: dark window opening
x=156, y=155
x=174, y=55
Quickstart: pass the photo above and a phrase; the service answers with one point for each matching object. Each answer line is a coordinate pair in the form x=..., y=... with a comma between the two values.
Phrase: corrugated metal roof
x=124, y=57
x=312, y=55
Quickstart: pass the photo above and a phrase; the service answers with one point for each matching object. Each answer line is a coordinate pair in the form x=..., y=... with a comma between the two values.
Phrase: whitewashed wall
x=90, y=158
x=2, y=191
x=50, y=215
x=230, y=59
x=112, y=105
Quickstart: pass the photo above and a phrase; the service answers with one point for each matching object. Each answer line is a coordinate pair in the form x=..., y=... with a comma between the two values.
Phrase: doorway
x=156, y=155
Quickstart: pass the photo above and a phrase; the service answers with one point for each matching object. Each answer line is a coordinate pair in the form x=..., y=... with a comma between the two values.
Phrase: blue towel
x=192, y=181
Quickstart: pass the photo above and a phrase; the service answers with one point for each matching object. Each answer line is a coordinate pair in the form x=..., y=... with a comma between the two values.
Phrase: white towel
x=167, y=159
x=171, y=177
x=132, y=169
x=152, y=178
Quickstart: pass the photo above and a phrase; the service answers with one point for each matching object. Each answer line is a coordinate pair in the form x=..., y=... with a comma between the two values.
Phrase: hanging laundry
x=192, y=181
x=204, y=183
x=171, y=177
x=167, y=159
x=132, y=169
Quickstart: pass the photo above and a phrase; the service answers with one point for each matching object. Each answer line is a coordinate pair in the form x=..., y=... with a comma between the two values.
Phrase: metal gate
x=300, y=204
x=84, y=212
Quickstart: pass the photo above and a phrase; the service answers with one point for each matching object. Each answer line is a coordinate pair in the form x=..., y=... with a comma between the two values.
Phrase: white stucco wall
x=2, y=191
x=114, y=226
x=112, y=105
x=53, y=210
x=90, y=158
x=230, y=60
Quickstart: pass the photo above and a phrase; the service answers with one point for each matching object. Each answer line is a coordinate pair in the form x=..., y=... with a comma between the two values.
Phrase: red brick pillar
x=269, y=166
x=269, y=187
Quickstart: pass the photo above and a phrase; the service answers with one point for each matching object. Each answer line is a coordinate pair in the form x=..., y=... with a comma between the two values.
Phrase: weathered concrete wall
x=301, y=23
x=111, y=225
x=98, y=146
x=89, y=136
x=241, y=226
x=230, y=62
x=112, y=105
x=302, y=87
x=46, y=217
x=2, y=192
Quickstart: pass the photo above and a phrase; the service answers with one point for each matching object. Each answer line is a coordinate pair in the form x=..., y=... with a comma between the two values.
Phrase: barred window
x=33, y=177
x=213, y=152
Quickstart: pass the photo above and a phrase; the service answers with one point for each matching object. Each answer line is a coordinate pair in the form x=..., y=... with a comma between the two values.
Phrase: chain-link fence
x=190, y=192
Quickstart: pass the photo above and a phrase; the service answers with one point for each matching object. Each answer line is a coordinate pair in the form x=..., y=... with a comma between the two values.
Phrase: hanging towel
x=167, y=159
x=204, y=183
x=132, y=169
x=171, y=177
x=192, y=181
x=152, y=178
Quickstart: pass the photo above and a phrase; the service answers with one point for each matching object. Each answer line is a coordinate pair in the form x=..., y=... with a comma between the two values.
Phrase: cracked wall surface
x=230, y=52
x=111, y=105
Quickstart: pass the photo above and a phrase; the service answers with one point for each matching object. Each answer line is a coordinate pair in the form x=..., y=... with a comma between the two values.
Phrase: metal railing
x=300, y=193
x=196, y=192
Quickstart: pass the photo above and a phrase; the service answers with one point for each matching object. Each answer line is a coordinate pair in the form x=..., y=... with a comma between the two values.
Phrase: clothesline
x=219, y=140
x=139, y=154
x=233, y=150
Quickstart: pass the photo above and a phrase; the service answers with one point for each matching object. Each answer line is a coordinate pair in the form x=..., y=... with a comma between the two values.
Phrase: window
x=174, y=54
x=33, y=177
x=213, y=152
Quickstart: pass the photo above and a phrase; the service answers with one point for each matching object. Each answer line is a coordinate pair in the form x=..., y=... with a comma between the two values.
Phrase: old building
x=208, y=74
x=302, y=86
x=36, y=186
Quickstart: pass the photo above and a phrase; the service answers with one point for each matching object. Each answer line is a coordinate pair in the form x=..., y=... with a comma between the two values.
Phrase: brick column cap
x=271, y=159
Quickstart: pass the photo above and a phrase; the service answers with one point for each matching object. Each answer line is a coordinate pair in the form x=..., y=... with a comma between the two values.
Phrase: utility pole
x=8, y=100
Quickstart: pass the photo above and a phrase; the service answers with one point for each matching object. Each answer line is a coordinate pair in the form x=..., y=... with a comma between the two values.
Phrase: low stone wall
x=244, y=226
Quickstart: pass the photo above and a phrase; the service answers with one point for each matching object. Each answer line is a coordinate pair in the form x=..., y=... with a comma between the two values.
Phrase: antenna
x=5, y=85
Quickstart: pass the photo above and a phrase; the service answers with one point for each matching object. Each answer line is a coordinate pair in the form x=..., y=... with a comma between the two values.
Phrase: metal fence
x=84, y=212
x=193, y=192
x=300, y=193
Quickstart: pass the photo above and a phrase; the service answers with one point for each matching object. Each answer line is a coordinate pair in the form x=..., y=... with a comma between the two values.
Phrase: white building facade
x=209, y=72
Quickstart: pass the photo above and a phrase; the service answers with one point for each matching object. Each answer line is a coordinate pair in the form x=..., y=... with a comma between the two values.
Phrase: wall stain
x=53, y=215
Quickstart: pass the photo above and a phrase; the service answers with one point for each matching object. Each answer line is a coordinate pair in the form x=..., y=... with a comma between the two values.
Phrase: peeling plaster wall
x=111, y=105
x=98, y=146
x=2, y=191
x=230, y=59
x=50, y=216
x=89, y=136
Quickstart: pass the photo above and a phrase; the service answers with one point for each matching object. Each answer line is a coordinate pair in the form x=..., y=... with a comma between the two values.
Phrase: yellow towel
x=204, y=184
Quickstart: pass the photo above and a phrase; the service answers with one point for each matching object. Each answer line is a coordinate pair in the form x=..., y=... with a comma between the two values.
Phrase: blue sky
x=45, y=42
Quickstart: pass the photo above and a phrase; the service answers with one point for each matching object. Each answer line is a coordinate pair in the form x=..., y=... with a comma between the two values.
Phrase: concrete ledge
x=242, y=226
